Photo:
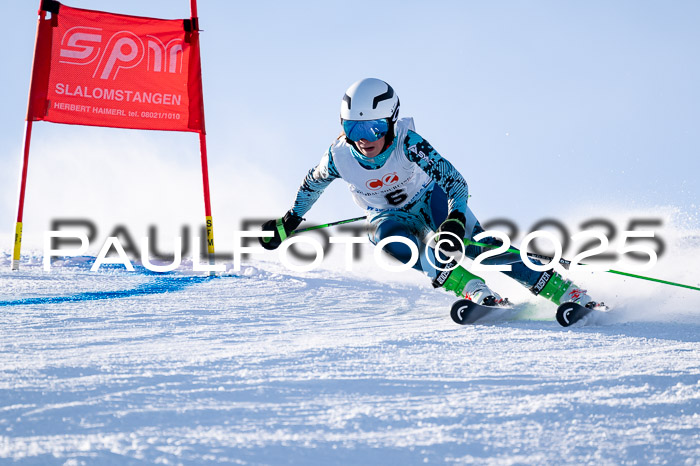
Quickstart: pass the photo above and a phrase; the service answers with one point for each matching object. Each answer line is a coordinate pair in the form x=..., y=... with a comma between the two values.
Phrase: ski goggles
x=371, y=130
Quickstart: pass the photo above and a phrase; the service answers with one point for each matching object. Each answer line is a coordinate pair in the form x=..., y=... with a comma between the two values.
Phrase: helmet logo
x=382, y=97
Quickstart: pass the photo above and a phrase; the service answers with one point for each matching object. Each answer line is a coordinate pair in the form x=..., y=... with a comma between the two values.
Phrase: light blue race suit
x=408, y=190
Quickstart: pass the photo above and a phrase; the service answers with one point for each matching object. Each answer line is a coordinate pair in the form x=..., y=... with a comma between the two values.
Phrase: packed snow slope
x=269, y=366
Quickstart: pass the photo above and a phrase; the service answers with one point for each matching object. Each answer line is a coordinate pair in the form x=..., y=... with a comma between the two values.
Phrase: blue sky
x=547, y=108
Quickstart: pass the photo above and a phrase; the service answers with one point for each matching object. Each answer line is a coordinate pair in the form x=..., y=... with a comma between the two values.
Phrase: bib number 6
x=396, y=197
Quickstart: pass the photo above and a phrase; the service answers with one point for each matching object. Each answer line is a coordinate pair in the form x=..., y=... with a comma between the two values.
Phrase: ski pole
x=566, y=264
x=326, y=225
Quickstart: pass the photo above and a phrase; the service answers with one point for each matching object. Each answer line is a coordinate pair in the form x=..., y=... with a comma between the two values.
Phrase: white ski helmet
x=370, y=99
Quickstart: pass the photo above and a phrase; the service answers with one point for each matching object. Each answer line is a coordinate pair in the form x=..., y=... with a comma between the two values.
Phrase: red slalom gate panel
x=104, y=69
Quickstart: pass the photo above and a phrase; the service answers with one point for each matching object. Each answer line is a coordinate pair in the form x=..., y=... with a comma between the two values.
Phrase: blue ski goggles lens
x=370, y=130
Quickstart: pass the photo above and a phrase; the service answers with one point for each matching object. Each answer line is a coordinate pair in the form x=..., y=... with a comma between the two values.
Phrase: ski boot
x=465, y=284
x=478, y=301
x=553, y=287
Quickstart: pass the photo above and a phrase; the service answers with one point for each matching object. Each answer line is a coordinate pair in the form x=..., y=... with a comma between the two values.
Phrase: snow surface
x=269, y=366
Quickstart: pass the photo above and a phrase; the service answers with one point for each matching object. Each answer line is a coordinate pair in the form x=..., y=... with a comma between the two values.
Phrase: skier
x=408, y=190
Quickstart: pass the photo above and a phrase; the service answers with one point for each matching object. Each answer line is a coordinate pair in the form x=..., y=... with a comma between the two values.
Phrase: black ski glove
x=453, y=224
x=282, y=227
